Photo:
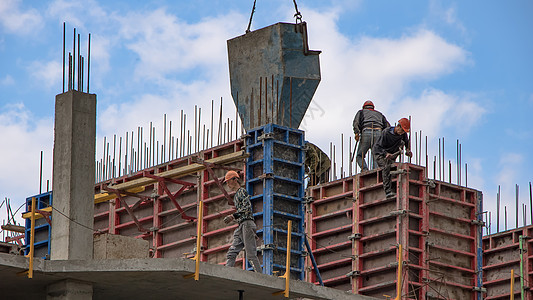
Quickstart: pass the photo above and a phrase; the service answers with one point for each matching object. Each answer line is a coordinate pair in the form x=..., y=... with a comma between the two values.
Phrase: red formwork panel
x=329, y=229
x=159, y=220
x=501, y=254
x=356, y=231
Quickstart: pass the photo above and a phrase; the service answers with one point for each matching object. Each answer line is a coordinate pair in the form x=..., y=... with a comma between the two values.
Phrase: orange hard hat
x=405, y=124
x=230, y=175
x=368, y=103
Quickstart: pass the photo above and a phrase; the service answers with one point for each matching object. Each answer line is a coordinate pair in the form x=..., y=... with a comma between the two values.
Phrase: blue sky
x=462, y=69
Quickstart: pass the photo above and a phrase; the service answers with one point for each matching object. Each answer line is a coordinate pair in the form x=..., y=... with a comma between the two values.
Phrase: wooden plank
x=103, y=197
x=15, y=228
x=37, y=215
x=180, y=172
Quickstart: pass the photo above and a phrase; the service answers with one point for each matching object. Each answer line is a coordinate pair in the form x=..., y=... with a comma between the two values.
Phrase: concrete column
x=73, y=176
x=69, y=289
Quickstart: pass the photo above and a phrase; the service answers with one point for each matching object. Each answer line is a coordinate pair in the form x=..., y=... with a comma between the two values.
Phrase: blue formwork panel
x=41, y=241
x=275, y=182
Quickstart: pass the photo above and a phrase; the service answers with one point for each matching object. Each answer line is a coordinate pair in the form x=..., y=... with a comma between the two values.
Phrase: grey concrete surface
x=113, y=246
x=150, y=278
x=73, y=176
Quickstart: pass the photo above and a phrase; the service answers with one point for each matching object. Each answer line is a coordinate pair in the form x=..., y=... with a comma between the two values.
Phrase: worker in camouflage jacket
x=387, y=148
x=245, y=235
x=367, y=126
x=317, y=164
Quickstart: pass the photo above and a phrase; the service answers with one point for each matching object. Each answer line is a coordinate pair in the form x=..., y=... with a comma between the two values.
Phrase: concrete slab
x=151, y=278
x=113, y=246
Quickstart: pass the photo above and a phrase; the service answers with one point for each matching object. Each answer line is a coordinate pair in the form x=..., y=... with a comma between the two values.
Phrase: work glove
x=357, y=137
x=409, y=153
x=228, y=219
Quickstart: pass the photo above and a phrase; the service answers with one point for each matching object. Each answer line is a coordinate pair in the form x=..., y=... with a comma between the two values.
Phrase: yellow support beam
x=197, y=257
x=399, y=279
x=512, y=284
x=37, y=215
x=32, y=240
x=103, y=197
x=287, y=274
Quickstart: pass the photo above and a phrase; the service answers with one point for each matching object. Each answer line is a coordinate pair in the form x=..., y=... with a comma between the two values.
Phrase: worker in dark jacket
x=367, y=126
x=244, y=236
x=387, y=148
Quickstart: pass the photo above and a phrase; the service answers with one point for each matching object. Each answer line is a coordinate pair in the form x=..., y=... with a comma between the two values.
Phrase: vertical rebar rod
x=212, y=115
x=164, y=145
x=530, y=204
x=41, y=175
x=126, y=155
x=342, y=156
x=266, y=100
x=150, y=146
x=443, y=161
x=63, y=59
x=416, y=148
x=199, y=125
x=505, y=208
x=170, y=143
x=516, y=205
x=114, y=152
x=260, y=95
x=69, y=72
x=73, y=58
x=334, y=165
x=181, y=134
x=88, y=62
x=460, y=163
x=203, y=137
x=195, y=128
x=466, y=175
x=79, y=63
x=220, y=123
x=350, y=155
x=440, y=172
x=498, y=210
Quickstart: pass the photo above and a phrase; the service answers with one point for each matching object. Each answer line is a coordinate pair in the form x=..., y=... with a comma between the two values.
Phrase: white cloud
x=166, y=44
x=21, y=160
x=19, y=20
x=48, y=73
x=7, y=80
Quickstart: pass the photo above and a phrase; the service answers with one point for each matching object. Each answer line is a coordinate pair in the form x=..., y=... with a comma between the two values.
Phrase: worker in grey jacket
x=244, y=236
x=367, y=126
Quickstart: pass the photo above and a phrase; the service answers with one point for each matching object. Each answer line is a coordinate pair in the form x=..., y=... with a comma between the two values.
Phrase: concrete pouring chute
x=273, y=75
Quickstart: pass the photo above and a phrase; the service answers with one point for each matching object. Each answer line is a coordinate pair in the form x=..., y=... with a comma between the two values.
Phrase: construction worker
x=367, y=126
x=245, y=235
x=317, y=164
x=387, y=148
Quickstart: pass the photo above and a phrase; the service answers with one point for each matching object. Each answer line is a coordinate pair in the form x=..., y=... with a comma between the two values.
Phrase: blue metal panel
x=41, y=245
x=281, y=188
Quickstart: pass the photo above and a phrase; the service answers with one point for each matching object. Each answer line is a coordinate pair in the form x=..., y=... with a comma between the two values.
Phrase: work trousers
x=366, y=142
x=386, y=165
x=244, y=237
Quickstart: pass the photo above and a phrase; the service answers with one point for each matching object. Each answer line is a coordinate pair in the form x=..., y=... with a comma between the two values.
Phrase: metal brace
x=304, y=254
x=431, y=183
x=265, y=136
x=353, y=273
x=398, y=212
x=479, y=289
x=398, y=172
x=355, y=236
x=308, y=200
x=477, y=222
x=266, y=247
x=152, y=229
x=266, y=176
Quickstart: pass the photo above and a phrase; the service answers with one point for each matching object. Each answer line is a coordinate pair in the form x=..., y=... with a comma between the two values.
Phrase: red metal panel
x=501, y=255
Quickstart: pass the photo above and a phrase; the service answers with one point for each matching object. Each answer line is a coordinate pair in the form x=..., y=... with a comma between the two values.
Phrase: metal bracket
x=431, y=183
x=353, y=273
x=398, y=212
x=477, y=222
x=398, y=172
x=265, y=136
x=355, y=236
x=479, y=289
x=266, y=176
x=304, y=254
x=266, y=247
x=308, y=200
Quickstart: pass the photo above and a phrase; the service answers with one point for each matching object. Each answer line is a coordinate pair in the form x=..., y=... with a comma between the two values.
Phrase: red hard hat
x=405, y=124
x=230, y=175
x=368, y=103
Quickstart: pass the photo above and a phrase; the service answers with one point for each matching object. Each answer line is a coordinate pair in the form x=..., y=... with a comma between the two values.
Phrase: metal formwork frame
x=268, y=146
x=41, y=245
x=501, y=255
